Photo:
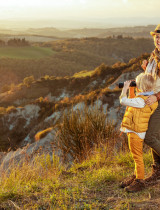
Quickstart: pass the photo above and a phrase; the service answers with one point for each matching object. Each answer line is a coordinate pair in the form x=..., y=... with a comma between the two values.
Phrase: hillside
x=41, y=103
x=71, y=56
x=61, y=146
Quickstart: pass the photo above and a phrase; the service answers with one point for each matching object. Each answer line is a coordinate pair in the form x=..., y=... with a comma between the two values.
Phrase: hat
x=156, y=31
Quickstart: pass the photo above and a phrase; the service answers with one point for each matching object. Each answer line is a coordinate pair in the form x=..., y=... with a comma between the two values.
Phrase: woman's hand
x=144, y=64
x=151, y=100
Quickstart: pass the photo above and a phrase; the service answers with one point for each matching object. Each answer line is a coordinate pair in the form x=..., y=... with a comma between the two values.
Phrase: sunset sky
x=80, y=9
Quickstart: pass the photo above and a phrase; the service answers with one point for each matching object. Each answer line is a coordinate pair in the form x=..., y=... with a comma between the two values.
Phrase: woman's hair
x=145, y=82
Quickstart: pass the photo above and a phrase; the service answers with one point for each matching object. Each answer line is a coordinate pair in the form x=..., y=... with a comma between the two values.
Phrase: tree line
x=14, y=42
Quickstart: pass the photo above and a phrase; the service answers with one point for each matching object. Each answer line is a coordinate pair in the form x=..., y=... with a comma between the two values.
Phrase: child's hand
x=126, y=85
x=125, y=88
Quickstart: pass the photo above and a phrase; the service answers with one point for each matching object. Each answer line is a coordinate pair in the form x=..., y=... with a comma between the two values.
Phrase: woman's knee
x=152, y=142
x=150, y=139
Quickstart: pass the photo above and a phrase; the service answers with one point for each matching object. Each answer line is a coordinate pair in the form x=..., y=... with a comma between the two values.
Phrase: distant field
x=31, y=52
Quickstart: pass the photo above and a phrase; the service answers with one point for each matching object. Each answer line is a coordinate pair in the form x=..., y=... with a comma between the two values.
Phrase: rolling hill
x=55, y=33
x=69, y=57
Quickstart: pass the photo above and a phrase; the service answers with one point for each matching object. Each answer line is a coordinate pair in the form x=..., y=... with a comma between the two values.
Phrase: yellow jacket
x=136, y=119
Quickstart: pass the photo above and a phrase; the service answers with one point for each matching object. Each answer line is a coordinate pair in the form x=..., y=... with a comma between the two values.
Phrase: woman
x=152, y=137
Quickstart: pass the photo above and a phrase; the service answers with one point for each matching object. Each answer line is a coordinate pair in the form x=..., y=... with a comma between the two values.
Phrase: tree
x=18, y=42
x=119, y=37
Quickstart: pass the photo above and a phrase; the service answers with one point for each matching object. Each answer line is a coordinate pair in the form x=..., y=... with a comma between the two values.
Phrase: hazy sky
x=78, y=9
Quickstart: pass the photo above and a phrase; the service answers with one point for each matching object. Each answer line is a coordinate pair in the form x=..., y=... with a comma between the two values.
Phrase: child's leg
x=136, y=148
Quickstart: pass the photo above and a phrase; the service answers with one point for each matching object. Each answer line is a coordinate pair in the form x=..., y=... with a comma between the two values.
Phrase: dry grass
x=93, y=184
x=42, y=134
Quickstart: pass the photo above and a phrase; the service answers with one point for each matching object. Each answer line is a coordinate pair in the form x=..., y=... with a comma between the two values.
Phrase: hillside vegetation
x=90, y=181
x=92, y=184
x=72, y=56
x=82, y=83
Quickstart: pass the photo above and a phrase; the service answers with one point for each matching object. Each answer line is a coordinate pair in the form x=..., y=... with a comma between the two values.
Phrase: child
x=135, y=124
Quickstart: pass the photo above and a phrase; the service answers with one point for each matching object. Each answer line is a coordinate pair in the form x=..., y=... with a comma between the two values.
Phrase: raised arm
x=133, y=102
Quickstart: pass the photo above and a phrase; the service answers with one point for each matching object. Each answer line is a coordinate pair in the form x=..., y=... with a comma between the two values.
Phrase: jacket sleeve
x=133, y=102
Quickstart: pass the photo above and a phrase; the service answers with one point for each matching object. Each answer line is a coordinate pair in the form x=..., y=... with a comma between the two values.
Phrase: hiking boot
x=154, y=176
x=135, y=186
x=127, y=181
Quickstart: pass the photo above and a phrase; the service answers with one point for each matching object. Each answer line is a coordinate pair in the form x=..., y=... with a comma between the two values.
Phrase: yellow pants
x=136, y=148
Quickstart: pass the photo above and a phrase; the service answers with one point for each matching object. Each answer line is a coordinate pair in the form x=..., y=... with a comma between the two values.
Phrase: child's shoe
x=127, y=181
x=135, y=186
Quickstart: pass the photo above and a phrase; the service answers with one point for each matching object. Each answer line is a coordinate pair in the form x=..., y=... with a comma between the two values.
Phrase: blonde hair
x=145, y=82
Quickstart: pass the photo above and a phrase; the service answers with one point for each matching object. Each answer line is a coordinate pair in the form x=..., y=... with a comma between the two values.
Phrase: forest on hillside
x=73, y=55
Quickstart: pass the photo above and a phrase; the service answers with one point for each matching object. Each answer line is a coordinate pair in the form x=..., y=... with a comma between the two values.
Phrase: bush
x=81, y=130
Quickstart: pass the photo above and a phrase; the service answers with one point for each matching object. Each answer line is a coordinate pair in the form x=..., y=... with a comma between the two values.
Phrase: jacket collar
x=146, y=93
